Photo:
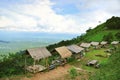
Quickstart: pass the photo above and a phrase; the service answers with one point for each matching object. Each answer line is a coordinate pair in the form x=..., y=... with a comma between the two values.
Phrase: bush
x=12, y=64
x=73, y=73
x=117, y=35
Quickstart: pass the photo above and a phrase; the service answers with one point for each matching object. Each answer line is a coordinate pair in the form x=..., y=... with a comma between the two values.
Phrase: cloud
x=45, y=15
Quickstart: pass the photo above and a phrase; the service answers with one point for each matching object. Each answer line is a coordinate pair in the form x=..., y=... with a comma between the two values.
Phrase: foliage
x=73, y=73
x=95, y=34
x=109, y=37
x=113, y=23
x=118, y=35
x=12, y=65
x=65, y=43
x=111, y=70
x=70, y=59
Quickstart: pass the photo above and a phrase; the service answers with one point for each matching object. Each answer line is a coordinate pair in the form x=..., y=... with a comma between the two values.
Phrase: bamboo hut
x=95, y=44
x=76, y=50
x=64, y=52
x=103, y=44
x=37, y=54
x=85, y=46
x=115, y=42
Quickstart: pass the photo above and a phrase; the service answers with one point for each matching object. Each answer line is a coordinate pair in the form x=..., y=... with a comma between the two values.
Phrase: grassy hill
x=14, y=63
x=110, y=67
x=96, y=34
x=111, y=70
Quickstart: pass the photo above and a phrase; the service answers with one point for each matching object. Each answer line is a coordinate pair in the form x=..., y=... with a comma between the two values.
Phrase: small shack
x=103, y=44
x=37, y=54
x=64, y=52
x=85, y=46
x=76, y=50
x=95, y=44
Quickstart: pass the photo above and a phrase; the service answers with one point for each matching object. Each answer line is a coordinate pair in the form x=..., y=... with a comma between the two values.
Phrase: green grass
x=99, y=35
x=91, y=56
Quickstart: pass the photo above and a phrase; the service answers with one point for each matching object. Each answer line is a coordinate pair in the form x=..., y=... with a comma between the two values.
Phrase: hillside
x=111, y=70
x=14, y=63
x=99, y=33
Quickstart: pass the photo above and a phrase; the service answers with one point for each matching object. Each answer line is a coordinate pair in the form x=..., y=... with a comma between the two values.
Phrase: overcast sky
x=56, y=16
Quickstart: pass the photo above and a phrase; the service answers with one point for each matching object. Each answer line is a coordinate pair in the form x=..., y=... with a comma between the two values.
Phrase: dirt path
x=51, y=75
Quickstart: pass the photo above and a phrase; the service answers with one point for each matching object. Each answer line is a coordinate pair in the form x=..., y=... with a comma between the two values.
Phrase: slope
x=99, y=33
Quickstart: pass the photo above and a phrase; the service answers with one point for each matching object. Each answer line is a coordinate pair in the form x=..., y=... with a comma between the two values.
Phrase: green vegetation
x=113, y=23
x=99, y=33
x=14, y=64
x=111, y=70
x=73, y=73
x=109, y=37
x=91, y=55
x=118, y=35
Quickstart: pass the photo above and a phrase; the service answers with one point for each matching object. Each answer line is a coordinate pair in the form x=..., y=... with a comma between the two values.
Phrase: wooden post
x=34, y=65
x=25, y=65
x=47, y=63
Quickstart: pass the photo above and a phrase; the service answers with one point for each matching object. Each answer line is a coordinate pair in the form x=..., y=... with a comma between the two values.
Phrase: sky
x=56, y=16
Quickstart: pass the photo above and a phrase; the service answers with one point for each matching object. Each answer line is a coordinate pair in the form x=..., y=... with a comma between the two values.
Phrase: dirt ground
x=60, y=73
x=51, y=75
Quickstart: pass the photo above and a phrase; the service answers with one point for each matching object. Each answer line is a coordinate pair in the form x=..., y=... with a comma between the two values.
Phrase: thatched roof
x=75, y=48
x=85, y=45
x=115, y=42
x=103, y=42
x=94, y=43
x=39, y=53
x=63, y=51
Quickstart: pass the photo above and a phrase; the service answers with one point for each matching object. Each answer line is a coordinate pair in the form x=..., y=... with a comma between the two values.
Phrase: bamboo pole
x=25, y=65
x=46, y=59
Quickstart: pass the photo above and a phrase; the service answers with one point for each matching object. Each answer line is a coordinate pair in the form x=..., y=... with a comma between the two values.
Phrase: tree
x=113, y=23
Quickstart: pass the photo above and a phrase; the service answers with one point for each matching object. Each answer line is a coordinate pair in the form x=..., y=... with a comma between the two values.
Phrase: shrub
x=73, y=73
x=117, y=35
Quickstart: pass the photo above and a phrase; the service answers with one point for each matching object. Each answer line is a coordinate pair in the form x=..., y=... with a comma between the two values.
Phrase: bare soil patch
x=50, y=75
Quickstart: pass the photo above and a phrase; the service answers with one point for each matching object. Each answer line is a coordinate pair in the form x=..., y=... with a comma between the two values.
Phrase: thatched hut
x=37, y=54
x=76, y=50
x=115, y=42
x=64, y=52
x=103, y=44
x=95, y=44
x=85, y=46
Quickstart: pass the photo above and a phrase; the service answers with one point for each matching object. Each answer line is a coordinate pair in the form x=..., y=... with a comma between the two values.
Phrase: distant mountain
x=2, y=41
